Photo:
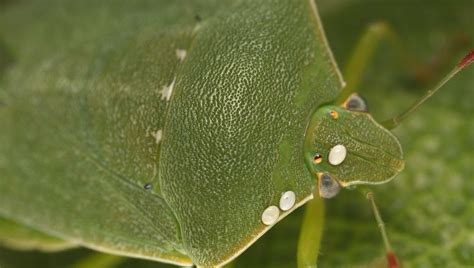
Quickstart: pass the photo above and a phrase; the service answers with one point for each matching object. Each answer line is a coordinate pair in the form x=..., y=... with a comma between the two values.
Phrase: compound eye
x=356, y=103
x=328, y=187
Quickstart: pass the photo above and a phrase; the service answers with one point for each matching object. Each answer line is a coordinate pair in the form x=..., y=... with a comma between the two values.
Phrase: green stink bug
x=221, y=145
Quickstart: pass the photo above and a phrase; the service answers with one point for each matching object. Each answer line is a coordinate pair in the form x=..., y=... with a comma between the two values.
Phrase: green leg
x=423, y=73
x=364, y=51
x=311, y=233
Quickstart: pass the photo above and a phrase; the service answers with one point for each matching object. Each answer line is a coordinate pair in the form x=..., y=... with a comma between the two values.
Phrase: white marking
x=157, y=135
x=337, y=154
x=167, y=90
x=181, y=54
x=262, y=231
x=270, y=215
x=287, y=200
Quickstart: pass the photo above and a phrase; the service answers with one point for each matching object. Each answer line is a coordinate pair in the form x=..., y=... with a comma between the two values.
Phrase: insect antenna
x=395, y=121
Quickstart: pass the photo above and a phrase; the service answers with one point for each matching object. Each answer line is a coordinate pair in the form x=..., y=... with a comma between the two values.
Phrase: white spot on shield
x=270, y=215
x=157, y=135
x=167, y=90
x=287, y=200
x=337, y=154
x=181, y=54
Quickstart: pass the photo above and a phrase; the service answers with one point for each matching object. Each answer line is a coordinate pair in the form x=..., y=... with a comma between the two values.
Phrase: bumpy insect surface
x=221, y=116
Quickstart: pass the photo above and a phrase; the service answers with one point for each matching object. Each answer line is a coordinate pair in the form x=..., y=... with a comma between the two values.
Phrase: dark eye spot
x=198, y=18
x=328, y=187
x=147, y=186
x=326, y=181
x=356, y=103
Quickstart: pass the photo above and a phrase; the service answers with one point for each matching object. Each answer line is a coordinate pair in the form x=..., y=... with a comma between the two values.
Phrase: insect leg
x=311, y=233
x=364, y=51
x=391, y=257
x=382, y=32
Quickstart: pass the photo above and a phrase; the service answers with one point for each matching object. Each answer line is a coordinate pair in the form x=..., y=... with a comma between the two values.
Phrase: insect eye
x=328, y=187
x=317, y=158
x=356, y=103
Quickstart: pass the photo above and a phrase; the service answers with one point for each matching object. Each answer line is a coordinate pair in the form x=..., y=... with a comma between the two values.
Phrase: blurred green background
x=429, y=208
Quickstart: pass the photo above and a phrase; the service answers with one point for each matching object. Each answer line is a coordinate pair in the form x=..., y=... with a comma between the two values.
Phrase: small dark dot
x=317, y=158
x=198, y=18
x=147, y=186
